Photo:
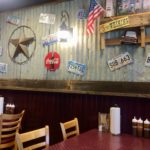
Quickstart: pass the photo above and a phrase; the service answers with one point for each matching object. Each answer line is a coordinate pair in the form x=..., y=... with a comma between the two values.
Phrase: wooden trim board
x=112, y=88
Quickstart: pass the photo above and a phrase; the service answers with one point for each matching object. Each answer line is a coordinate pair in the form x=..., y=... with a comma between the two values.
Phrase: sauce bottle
x=134, y=126
x=140, y=127
x=146, y=128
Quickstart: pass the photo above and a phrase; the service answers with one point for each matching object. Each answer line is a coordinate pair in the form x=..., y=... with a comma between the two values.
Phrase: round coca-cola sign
x=52, y=61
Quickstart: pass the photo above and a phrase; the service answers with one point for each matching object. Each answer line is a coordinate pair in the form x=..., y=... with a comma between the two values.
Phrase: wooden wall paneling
x=56, y=107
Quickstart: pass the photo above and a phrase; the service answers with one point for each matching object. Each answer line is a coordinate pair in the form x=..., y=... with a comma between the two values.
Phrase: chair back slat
x=31, y=136
x=35, y=146
x=9, y=135
x=9, y=125
x=70, y=128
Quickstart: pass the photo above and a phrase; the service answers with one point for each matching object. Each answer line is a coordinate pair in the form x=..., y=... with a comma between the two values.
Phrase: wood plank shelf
x=140, y=20
x=110, y=42
x=135, y=20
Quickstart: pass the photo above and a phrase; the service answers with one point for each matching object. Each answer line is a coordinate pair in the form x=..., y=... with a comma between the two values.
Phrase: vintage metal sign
x=1, y=51
x=76, y=68
x=115, y=24
x=120, y=61
x=3, y=68
x=47, y=18
x=52, y=61
x=13, y=20
x=49, y=39
x=82, y=14
x=147, y=62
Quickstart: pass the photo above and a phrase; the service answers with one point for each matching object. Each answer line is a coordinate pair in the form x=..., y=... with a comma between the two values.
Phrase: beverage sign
x=52, y=61
x=120, y=61
x=115, y=24
x=49, y=39
x=147, y=62
x=76, y=68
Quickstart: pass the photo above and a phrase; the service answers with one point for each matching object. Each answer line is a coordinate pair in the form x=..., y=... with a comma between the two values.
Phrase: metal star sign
x=21, y=47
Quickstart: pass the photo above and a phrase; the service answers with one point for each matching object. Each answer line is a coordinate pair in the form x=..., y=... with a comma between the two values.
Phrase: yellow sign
x=115, y=24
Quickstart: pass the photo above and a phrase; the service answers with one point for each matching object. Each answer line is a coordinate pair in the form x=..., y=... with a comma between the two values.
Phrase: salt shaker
x=134, y=126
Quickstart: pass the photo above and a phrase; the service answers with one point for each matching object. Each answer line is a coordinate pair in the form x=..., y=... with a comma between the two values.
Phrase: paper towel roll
x=1, y=104
x=115, y=120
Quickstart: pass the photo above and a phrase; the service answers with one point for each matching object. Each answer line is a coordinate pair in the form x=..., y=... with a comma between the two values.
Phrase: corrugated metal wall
x=84, y=50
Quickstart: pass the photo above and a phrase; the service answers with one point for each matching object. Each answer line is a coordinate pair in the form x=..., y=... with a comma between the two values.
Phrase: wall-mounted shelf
x=140, y=20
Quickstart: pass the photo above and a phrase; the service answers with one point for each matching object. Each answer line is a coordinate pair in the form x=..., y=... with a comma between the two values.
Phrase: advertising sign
x=49, y=39
x=147, y=62
x=3, y=68
x=47, y=18
x=13, y=20
x=115, y=24
x=52, y=61
x=82, y=14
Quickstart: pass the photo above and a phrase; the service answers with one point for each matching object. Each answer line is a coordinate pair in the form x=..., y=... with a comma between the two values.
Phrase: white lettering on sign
x=120, y=61
x=147, y=62
x=52, y=61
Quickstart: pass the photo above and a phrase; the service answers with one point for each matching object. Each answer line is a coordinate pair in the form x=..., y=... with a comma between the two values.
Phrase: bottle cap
x=146, y=121
x=116, y=105
x=134, y=119
x=140, y=120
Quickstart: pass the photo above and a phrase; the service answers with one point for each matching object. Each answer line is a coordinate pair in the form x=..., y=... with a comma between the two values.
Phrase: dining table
x=96, y=140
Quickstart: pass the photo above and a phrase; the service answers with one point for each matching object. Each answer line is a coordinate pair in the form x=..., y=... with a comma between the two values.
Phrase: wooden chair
x=70, y=128
x=9, y=126
x=38, y=138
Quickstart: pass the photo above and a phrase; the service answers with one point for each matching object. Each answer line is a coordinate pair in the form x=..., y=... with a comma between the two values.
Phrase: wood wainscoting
x=64, y=100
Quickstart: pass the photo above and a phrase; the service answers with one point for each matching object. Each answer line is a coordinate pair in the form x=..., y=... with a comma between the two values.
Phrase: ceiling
x=6, y=5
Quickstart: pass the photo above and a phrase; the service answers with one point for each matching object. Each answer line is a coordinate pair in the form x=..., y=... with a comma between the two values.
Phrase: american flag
x=95, y=11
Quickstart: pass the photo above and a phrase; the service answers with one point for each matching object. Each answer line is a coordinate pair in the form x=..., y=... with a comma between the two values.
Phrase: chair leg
x=15, y=147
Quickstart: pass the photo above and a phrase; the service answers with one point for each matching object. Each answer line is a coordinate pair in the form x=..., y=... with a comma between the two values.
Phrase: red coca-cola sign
x=52, y=61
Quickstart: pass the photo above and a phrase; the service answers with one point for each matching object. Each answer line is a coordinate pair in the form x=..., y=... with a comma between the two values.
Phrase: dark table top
x=95, y=140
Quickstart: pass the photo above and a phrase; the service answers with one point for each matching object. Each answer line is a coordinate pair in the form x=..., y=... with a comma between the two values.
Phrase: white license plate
x=119, y=61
